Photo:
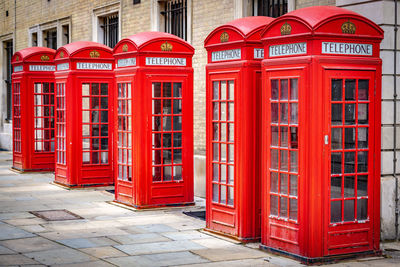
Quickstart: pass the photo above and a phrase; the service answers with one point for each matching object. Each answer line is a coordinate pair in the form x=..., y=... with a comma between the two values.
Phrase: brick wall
x=307, y=3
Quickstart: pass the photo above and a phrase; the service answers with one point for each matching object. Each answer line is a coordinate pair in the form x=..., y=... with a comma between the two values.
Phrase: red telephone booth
x=154, y=112
x=233, y=180
x=84, y=93
x=33, y=109
x=321, y=134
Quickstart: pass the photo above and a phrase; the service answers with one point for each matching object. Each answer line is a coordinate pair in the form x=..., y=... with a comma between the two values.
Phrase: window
x=8, y=46
x=60, y=129
x=284, y=149
x=109, y=29
x=175, y=18
x=124, y=132
x=34, y=39
x=95, y=118
x=50, y=38
x=65, y=34
x=17, y=118
x=167, y=131
x=270, y=8
x=44, y=117
x=223, y=151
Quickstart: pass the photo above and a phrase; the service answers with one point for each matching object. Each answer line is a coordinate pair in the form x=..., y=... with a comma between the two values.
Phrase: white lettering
x=63, y=66
x=93, y=66
x=258, y=53
x=125, y=62
x=18, y=68
x=346, y=49
x=42, y=68
x=226, y=55
x=165, y=61
x=288, y=49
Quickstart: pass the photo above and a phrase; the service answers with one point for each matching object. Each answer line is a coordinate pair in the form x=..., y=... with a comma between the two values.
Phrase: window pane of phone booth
x=17, y=117
x=349, y=149
x=60, y=124
x=44, y=116
x=223, y=152
x=167, y=131
x=284, y=149
x=95, y=122
x=124, y=131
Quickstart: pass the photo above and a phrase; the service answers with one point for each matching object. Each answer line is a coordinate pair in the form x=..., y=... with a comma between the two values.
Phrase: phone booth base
x=33, y=110
x=321, y=135
x=153, y=148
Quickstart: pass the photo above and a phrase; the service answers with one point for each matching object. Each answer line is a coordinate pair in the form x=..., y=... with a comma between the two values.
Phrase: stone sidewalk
x=109, y=235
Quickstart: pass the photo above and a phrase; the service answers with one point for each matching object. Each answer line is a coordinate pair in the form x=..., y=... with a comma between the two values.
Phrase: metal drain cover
x=56, y=215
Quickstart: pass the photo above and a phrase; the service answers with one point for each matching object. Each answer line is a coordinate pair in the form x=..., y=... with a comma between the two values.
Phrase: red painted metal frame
x=312, y=237
x=25, y=157
x=139, y=189
x=70, y=170
x=236, y=214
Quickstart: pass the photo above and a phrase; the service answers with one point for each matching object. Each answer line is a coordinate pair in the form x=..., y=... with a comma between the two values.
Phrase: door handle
x=326, y=139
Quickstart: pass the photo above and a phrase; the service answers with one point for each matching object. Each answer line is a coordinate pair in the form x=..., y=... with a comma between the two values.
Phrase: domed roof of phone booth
x=33, y=54
x=82, y=49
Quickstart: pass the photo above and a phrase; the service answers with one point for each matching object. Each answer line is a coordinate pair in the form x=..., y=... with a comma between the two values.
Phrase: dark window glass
x=175, y=17
x=110, y=30
x=270, y=8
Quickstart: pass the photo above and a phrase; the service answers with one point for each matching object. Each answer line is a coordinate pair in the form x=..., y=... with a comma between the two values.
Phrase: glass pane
x=349, y=114
x=85, y=130
x=231, y=152
x=95, y=116
x=284, y=89
x=283, y=207
x=274, y=205
x=223, y=90
x=215, y=90
x=274, y=136
x=167, y=173
x=104, y=116
x=293, y=113
x=95, y=144
x=231, y=111
x=156, y=89
x=95, y=88
x=274, y=113
x=85, y=102
x=95, y=158
x=215, y=111
x=230, y=195
x=284, y=183
x=215, y=193
x=223, y=152
x=104, y=89
x=167, y=157
x=223, y=111
x=177, y=89
x=293, y=89
x=177, y=106
x=167, y=139
x=156, y=174
x=336, y=114
x=85, y=116
x=336, y=163
x=293, y=185
x=167, y=106
x=293, y=161
x=177, y=156
x=362, y=113
x=284, y=160
x=284, y=113
x=350, y=89
x=85, y=89
x=104, y=143
x=104, y=130
x=215, y=152
x=362, y=185
x=231, y=174
x=363, y=89
x=157, y=157
x=223, y=194
x=177, y=140
x=349, y=137
x=336, y=187
x=223, y=132
x=348, y=210
x=166, y=123
x=215, y=131
x=349, y=162
x=362, y=137
x=85, y=144
x=157, y=124
x=293, y=137
x=167, y=90
x=157, y=106
x=362, y=157
x=349, y=186
x=215, y=172
x=337, y=89
x=231, y=85
x=284, y=136
x=86, y=157
x=231, y=133
x=293, y=209
x=104, y=157
x=274, y=159
x=274, y=182
x=38, y=88
x=362, y=209
x=223, y=173
x=104, y=103
x=336, y=138
x=336, y=211
x=274, y=90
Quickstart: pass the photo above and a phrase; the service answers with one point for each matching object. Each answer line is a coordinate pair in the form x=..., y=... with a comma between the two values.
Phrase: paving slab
x=12, y=232
x=159, y=247
x=156, y=228
x=230, y=253
x=32, y=244
x=16, y=215
x=60, y=256
x=27, y=221
x=83, y=233
x=87, y=242
x=235, y=263
x=174, y=258
x=139, y=238
x=185, y=235
x=33, y=228
x=86, y=264
x=213, y=243
x=7, y=260
x=4, y=250
x=103, y=252
x=137, y=261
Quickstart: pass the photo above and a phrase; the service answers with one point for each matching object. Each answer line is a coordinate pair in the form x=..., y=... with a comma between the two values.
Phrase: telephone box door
x=351, y=177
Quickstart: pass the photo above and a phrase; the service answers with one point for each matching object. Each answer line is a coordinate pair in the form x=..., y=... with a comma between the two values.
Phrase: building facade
x=54, y=23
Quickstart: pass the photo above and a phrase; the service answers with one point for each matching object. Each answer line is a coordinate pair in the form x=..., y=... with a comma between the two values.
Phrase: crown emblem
x=44, y=58
x=61, y=54
x=224, y=37
x=166, y=46
x=125, y=48
x=286, y=29
x=17, y=58
x=348, y=27
x=94, y=54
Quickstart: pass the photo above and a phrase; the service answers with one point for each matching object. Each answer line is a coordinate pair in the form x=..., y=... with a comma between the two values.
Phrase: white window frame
x=3, y=72
x=40, y=30
x=98, y=14
x=244, y=8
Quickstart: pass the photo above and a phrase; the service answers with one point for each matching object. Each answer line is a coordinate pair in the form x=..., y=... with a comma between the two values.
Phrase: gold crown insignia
x=224, y=37
x=94, y=54
x=44, y=58
x=61, y=54
x=125, y=48
x=286, y=29
x=348, y=27
x=17, y=58
x=166, y=46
